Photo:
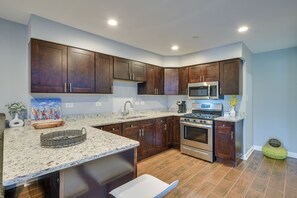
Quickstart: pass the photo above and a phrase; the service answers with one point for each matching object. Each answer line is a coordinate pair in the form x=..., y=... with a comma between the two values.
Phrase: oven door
x=197, y=135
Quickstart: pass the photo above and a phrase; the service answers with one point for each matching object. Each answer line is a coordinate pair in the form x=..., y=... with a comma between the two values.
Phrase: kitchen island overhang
x=24, y=159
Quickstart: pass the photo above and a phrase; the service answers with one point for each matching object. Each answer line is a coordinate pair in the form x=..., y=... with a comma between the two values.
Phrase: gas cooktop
x=201, y=116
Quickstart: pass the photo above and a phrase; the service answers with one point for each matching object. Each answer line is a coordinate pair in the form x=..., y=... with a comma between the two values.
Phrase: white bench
x=145, y=186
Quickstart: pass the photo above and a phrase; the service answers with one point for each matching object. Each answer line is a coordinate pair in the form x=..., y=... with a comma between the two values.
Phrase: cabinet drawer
x=145, y=123
x=113, y=128
x=131, y=125
x=225, y=126
x=160, y=120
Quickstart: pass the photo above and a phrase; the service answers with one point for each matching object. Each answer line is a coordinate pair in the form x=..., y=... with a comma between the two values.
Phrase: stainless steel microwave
x=204, y=91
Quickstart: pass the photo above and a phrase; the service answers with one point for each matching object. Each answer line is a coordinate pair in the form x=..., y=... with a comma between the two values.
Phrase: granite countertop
x=25, y=159
x=229, y=119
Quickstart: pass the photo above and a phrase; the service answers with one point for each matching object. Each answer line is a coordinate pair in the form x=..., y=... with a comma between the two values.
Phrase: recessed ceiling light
x=174, y=47
x=112, y=22
x=243, y=28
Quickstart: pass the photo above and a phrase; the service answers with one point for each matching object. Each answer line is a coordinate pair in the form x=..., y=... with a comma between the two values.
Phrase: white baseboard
x=247, y=154
x=290, y=154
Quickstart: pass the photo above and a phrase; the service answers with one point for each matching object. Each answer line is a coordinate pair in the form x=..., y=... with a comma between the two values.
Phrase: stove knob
x=204, y=122
x=201, y=121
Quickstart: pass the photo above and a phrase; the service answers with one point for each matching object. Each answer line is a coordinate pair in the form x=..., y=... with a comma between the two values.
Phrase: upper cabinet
x=103, y=73
x=183, y=79
x=204, y=73
x=171, y=77
x=229, y=77
x=154, y=81
x=48, y=67
x=125, y=69
x=81, y=70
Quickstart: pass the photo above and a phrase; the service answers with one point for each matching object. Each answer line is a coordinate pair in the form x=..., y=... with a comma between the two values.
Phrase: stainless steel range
x=197, y=130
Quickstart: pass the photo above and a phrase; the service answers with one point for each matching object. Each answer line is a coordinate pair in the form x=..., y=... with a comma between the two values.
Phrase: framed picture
x=45, y=109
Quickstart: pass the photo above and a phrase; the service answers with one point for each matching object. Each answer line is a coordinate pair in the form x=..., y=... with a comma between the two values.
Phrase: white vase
x=232, y=112
x=16, y=122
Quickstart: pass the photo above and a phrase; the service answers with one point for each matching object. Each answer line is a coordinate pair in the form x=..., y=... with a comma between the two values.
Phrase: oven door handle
x=196, y=125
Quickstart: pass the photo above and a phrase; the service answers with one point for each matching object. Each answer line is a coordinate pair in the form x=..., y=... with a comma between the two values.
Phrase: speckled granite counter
x=229, y=119
x=25, y=159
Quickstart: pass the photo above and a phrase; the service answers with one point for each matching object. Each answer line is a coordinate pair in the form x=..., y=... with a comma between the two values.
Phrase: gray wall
x=13, y=63
x=275, y=97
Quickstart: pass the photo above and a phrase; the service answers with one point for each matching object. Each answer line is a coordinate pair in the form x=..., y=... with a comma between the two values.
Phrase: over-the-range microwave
x=204, y=91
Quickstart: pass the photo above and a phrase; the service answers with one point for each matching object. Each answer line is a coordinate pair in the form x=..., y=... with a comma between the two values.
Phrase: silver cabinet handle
x=208, y=90
x=232, y=135
x=133, y=76
x=165, y=127
x=113, y=129
x=139, y=133
x=65, y=87
x=142, y=132
x=70, y=87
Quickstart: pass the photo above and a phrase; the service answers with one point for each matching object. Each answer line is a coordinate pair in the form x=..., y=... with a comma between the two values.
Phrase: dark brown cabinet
x=171, y=81
x=204, y=72
x=147, y=137
x=125, y=69
x=113, y=128
x=48, y=67
x=154, y=81
x=161, y=134
x=169, y=131
x=183, y=79
x=57, y=68
x=81, y=71
x=229, y=77
x=103, y=73
x=176, y=132
x=228, y=141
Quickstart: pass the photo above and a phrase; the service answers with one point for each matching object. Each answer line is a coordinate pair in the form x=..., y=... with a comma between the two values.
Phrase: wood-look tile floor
x=258, y=176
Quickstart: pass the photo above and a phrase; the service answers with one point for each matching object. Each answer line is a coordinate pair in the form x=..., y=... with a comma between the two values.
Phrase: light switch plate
x=98, y=104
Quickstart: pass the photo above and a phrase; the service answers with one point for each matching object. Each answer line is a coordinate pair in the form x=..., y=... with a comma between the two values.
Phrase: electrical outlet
x=69, y=105
x=142, y=102
x=98, y=104
x=137, y=103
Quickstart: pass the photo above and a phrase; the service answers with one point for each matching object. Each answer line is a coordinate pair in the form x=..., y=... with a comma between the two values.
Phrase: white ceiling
x=155, y=25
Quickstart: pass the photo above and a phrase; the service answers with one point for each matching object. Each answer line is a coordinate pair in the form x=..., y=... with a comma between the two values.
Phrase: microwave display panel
x=198, y=91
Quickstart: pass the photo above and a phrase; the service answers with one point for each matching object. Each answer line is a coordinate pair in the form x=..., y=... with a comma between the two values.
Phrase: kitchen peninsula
x=103, y=161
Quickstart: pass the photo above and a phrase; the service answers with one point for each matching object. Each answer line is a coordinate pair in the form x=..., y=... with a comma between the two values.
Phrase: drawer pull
x=113, y=129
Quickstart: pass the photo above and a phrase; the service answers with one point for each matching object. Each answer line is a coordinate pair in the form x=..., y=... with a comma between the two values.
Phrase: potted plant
x=14, y=109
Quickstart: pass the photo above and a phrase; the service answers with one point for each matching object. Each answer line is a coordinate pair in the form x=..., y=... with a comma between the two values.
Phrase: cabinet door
x=104, y=73
x=176, y=132
x=81, y=70
x=183, y=74
x=149, y=86
x=148, y=136
x=211, y=72
x=159, y=80
x=48, y=67
x=195, y=74
x=229, y=77
x=171, y=81
x=113, y=128
x=138, y=71
x=224, y=140
x=121, y=68
x=169, y=131
x=160, y=141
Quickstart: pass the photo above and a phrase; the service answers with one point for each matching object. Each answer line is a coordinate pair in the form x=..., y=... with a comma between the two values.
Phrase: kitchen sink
x=131, y=117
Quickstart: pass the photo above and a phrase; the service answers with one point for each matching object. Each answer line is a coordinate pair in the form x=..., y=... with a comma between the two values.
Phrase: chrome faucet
x=125, y=113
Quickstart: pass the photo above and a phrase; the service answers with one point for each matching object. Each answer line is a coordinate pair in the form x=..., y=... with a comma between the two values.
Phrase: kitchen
x=16, y=65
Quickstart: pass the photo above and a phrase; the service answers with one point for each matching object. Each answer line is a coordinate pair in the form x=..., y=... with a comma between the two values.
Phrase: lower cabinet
x=176, y=132
x=228, y=141
x=154, y=135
